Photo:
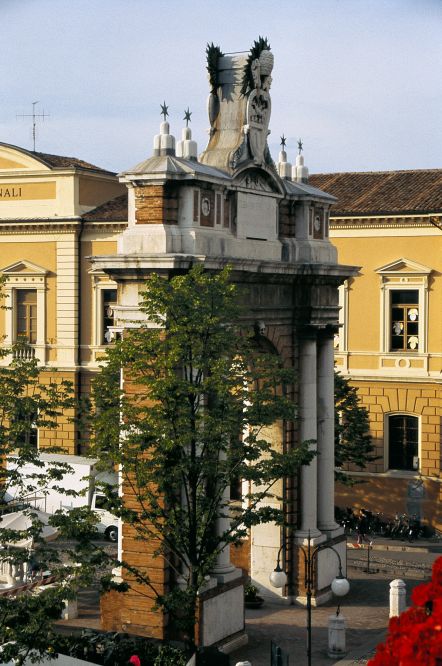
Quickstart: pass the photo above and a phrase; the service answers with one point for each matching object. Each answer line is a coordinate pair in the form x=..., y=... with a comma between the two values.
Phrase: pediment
x=257, y=180
x=13, y=158
x=8, y=164
x=254, y=182
x=405, y=267
x=24, y=267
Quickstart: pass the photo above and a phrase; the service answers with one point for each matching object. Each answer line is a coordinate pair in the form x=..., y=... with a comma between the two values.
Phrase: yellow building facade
x=52, y=298
x=390, y=340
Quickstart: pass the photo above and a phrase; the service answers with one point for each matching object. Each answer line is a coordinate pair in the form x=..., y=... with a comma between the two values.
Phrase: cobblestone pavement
x=365, y=609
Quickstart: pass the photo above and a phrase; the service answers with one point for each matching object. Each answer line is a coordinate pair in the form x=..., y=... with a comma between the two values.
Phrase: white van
x=83, y=478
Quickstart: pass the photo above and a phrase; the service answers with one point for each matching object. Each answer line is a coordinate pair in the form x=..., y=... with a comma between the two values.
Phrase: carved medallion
x=258, y=118
x=205, y=206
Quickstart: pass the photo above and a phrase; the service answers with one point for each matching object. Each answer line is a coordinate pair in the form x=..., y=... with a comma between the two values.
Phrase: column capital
x=307, y=333
x=327, y=333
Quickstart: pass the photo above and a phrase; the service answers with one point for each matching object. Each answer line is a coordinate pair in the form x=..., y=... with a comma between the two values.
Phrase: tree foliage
x=191, y=421
x=31, y=398
x=353, y=444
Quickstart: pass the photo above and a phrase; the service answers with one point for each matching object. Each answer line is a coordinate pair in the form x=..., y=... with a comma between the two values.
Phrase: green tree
x=32, y=399
x=353, y=443
x=189, y=424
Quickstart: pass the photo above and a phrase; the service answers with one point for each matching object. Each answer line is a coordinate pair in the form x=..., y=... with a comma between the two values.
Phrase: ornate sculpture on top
x=256, y=84
x=239, y=107
x=213, y=54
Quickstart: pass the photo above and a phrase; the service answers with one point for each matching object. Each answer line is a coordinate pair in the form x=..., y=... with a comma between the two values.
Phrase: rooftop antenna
x=34, y=117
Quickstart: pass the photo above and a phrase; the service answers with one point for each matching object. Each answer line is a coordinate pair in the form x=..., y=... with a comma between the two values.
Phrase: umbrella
x=20, y=520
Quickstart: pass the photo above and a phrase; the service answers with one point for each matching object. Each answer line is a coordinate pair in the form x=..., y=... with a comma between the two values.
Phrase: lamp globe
x=278, y=578
x=340, y=586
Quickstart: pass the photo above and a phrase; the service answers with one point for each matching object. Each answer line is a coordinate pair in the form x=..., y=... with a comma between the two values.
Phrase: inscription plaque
x=257, y=217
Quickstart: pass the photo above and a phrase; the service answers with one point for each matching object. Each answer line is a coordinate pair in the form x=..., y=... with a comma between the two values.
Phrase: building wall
x=393, y=382
x=44, y=245
x=371, y=252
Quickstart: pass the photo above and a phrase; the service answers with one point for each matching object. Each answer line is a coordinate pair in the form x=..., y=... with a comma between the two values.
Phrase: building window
x=404, y=320
x=104, y=302
x=403, y=442
x=236, y=489
x=404, y=307
x=341, y=337
x=109, y=300
x=25, y=428
x=25, y=300
x=26, y=308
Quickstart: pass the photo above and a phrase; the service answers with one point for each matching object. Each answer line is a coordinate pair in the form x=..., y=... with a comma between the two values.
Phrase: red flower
x=422, y=594
x=437, y=572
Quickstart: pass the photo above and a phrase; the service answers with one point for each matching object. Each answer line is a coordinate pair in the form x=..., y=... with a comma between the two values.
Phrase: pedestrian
x=362, y=529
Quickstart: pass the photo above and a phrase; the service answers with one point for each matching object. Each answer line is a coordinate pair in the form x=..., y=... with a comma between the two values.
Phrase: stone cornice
x=58, y=225
x=381, y=221
x=106, y=224
x=138, y=264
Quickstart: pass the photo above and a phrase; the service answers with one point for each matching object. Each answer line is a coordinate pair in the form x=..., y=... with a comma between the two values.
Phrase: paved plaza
x=365, y=609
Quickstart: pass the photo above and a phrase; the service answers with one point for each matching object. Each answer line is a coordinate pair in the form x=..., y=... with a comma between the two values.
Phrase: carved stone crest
x=259, y=106
x=258, y=118
x=254, y=182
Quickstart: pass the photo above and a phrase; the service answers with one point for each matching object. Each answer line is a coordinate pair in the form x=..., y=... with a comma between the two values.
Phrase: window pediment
x=404, y=267
x=24, y=267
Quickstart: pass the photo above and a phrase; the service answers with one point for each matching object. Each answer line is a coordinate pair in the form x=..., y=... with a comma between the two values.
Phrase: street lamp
x=340, y=585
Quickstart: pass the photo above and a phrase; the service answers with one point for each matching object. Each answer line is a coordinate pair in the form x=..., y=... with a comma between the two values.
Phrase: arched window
x=403, y=442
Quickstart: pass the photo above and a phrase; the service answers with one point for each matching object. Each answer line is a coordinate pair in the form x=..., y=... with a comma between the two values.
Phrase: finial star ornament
x=283, y=141
x=187, y=115
x=300, y=146
x=164, y=110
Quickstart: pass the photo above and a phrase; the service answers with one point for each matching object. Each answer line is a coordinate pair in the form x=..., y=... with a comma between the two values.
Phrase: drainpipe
x=79, y=283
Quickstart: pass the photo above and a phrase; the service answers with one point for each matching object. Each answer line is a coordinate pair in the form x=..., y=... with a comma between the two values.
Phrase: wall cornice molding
x=381, y=221
x=59, y=226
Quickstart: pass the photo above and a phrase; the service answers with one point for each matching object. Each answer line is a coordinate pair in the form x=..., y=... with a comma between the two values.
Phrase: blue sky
x=358, y=80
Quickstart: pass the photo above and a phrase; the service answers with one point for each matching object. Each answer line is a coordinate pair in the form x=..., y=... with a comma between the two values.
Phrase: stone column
x=326, y=433
x=224, y=570
x=307, y=431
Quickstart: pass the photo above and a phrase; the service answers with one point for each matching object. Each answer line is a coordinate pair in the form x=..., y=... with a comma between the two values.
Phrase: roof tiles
x=67, y=162
x=111, y=211
x=383, y=192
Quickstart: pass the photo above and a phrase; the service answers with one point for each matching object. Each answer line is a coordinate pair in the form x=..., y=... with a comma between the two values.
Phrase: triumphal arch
x=234, y=205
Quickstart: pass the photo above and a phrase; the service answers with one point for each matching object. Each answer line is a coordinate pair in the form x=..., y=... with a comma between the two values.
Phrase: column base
x=318, y=598
x=117, y=575
x=302, y=537
x=210, y=584
x=332, y=530
x=226, y=574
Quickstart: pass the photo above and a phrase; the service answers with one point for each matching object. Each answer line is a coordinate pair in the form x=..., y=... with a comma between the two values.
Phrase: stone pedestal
x=336, y=636
x=221, y=613
x=398, y=591
x=70, y=609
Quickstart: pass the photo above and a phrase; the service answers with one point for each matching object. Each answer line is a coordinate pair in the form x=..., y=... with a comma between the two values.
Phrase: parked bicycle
x=402, y=526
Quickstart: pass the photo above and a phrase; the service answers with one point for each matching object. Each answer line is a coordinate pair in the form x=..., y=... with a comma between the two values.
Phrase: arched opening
x=403, y=442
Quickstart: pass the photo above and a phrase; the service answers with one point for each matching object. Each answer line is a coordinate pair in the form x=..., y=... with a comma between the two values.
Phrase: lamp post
x=340, y=585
